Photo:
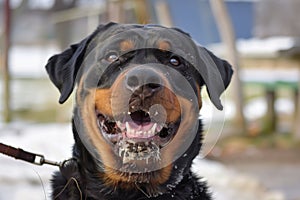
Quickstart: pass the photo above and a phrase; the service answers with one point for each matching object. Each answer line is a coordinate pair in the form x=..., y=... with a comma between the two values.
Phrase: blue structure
x=196, y=17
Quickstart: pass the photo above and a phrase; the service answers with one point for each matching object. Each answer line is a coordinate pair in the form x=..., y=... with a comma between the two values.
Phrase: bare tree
x=115, y=10
x=297, y=120
x=228, y=37
x=6, y=74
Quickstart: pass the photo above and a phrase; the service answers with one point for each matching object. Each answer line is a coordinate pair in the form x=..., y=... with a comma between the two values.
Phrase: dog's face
x=138, y=99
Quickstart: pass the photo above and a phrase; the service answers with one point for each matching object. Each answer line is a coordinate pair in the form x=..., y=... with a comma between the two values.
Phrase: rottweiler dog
x=136, y=116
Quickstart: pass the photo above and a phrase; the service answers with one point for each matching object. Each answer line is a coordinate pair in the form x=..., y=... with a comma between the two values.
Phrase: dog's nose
x=144, y=78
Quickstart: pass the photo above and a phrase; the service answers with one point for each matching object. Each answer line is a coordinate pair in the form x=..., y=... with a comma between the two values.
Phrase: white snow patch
x=257, y=47
x=267, y=46
x=227, y=184
x=257, y=108
x=271, y=76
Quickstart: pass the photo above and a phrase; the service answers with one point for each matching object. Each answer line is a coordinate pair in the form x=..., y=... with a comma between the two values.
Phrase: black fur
x=78, y=178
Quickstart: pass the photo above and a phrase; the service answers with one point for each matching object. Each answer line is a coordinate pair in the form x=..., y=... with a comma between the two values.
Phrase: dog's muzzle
x=142, y=129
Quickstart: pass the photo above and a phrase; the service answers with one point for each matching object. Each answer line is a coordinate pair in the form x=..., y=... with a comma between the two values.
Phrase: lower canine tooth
x=159, y=127
x=151, y=132
x=129, y=130
x=125, y=159
x=127, y=126
x=121, y=125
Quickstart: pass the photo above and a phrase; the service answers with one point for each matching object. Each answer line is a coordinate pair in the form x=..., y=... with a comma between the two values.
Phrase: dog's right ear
x=63, y=68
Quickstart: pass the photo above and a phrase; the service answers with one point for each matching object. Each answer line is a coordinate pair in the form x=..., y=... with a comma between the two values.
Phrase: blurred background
x=252, y=148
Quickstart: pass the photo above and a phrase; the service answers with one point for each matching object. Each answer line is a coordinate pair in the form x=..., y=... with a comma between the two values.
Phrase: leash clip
x=40, y=160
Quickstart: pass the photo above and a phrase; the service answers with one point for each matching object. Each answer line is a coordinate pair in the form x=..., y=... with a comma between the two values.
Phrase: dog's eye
x=175, y=61
x=111, y=57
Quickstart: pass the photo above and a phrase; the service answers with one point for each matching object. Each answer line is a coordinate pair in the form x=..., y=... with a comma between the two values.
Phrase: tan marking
x=163, y=45
x=189, y=118
x=199, y=96
x=92, y=130
x=103, y=101
x=126, y=45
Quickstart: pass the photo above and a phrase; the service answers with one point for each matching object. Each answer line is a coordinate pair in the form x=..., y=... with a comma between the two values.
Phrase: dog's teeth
x=132, y=132
x=151, y=132
x=139, y=148
x=121, y=125
x=145, y=134
x=129, y=130
x=159, y=128
x=121, y=151
x=102, y=123
x=134, y=148
x=127, y=126
x=125, y=159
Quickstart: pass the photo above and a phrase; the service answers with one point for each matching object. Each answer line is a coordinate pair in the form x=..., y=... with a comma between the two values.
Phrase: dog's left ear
x=216, y=73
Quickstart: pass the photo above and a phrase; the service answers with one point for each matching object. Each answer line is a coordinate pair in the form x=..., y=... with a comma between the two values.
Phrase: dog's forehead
x=138, y=37
x=143, y=36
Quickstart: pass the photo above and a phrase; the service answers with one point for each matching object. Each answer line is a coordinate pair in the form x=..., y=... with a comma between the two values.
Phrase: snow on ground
x=227, y=184
x=20, y=180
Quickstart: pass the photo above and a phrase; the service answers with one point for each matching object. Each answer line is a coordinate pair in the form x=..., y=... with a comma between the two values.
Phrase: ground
x=275, y=163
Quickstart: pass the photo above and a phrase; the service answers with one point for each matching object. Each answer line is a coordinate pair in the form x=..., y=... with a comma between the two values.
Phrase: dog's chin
x=136, y=140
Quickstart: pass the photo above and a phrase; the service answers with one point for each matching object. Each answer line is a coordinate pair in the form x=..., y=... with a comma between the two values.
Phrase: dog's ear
x=216, y=74
x=63, y=68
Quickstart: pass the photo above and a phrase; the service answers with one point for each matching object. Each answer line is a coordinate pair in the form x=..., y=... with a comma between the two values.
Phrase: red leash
x=20, y=154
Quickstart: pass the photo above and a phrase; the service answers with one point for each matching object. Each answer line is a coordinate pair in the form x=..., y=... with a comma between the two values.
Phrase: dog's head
x=138, y=99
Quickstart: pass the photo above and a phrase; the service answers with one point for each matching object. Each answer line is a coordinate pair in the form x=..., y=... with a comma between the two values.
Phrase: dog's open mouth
x=136, y=135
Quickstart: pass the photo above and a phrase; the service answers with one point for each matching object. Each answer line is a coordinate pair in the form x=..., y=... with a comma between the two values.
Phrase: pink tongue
x=139, y=131
x=141, y=127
